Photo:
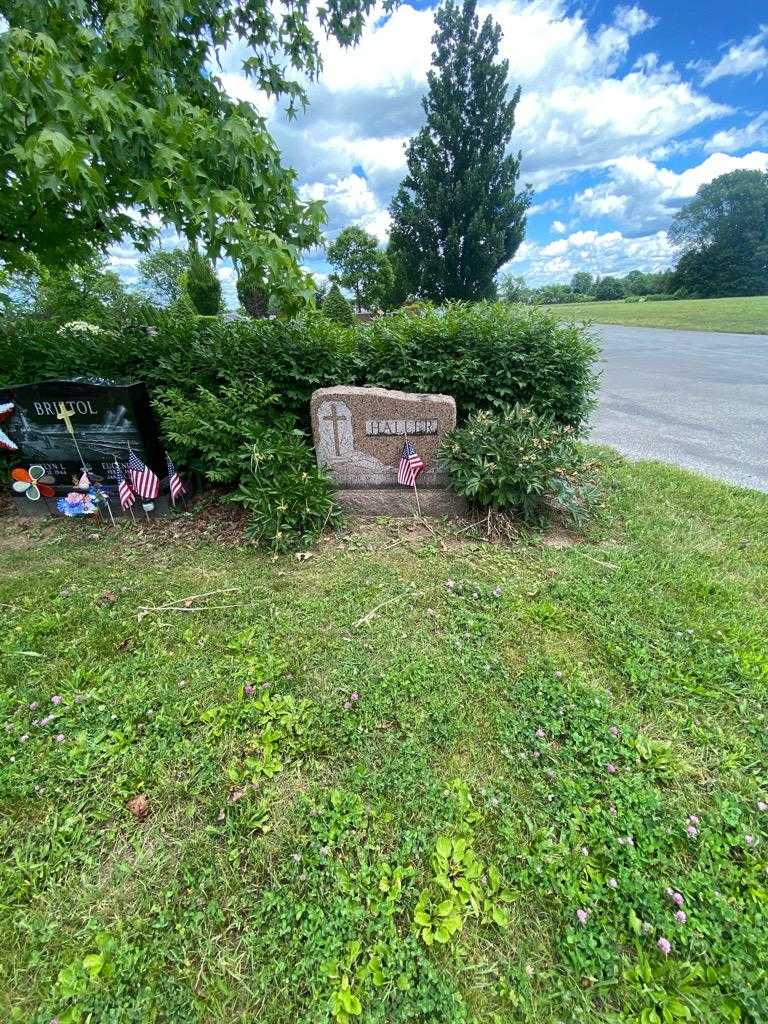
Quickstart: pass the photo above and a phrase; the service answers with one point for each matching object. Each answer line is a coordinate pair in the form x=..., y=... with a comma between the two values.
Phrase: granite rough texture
x=359, y=435
x=400, y=501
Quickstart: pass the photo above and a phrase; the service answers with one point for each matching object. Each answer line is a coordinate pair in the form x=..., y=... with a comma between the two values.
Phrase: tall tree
x=723, y=235
x=361, y=266
x=162, y=274
x=457, y=216
x=110, y=111
x=582, y=282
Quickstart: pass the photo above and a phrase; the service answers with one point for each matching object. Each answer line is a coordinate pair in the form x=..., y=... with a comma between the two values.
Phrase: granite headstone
x=107, y=422
x=359, y=435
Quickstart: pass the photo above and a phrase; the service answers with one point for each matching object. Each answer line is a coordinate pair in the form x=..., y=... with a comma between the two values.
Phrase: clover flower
x=762, y=805
x=583, y=916
x=249, y=689
x=680, y=916
x=347, y=705
x=540, y=734
x=665, y=946
x=614, y=730
x=612, y=883
x=60, y=738
x=354, y=695
x=749, y=840
x=611, y=769
x=612, y=810
x=34, y=705
x=692, y=831
x=55, y=699
x=693, y=819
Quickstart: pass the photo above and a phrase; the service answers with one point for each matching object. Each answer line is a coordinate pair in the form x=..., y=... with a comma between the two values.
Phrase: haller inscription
x=407, y=428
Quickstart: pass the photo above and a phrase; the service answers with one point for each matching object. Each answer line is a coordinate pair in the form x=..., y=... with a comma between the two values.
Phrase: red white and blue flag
x=410, y=466
x=124, y=492
x=175, y=485
x=142, y=479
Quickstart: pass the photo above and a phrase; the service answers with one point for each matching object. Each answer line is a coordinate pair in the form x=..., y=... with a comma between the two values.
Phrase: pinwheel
x=34, y=483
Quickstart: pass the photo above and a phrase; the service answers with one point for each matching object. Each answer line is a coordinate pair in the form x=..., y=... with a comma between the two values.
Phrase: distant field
x=742, y=315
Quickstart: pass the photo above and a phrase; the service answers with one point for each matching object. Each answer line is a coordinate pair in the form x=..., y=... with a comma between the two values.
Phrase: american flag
x=410, y=465
x=124, y=492
x=175, y=486
x=141, y=478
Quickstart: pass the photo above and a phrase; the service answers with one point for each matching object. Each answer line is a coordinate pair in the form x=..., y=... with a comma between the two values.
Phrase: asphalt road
x=691, y=398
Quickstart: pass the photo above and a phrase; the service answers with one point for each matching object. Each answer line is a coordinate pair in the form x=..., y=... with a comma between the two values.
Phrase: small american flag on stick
x=124, y=492
x=175, y=485
x=142, y=479
x=410, y=466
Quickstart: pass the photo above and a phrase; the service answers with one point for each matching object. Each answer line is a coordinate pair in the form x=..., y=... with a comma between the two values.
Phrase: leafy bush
x=336, y=307
x=239, y=437
x=517, y=462
x=289, y=498
x=488, y=355
x=203, y=286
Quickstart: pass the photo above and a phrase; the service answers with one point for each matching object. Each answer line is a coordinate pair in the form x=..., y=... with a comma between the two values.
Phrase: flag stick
x=415, y=490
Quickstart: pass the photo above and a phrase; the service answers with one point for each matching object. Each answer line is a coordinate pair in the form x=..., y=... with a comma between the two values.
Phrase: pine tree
x=337, y=308
x=203, y=286
x=456, y=216
x=252, y=292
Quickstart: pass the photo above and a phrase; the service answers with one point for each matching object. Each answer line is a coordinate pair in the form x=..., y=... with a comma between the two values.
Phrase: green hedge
x=487, y=355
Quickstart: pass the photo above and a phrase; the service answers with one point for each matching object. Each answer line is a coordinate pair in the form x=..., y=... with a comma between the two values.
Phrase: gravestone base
x=39, y=510
x=400, y=501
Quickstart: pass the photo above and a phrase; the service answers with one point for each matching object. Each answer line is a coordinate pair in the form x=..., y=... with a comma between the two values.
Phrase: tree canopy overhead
x=457, y=216
x=112, y=119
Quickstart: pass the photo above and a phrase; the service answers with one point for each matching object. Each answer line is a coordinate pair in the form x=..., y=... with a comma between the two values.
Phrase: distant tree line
x=585, y=287
x=722, y=236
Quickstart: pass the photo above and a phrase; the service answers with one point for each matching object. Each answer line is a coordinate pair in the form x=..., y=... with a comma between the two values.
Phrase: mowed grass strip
x=735, y=315
x=539, y=749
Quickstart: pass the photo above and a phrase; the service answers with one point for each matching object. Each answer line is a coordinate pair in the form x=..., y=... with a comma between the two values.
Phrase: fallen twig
x=184, y=600
x=399, y=597
x=608, y=565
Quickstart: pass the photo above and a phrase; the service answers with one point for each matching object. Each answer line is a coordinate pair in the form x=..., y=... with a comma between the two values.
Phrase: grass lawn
x=741, y=316
x=409, y=815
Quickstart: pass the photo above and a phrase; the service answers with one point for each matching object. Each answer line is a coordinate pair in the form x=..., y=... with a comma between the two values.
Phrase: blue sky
x=626, y=110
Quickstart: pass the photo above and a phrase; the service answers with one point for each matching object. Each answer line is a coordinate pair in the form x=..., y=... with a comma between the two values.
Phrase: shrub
x=336, y=307
x=251, y=292
x=487, y=355
x=239, y=437
x=517, y=462
x=203, y=286
x=289, y=498
x=291, y=357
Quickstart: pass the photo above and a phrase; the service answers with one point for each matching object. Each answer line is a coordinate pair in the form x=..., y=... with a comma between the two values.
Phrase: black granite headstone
x=108, y=421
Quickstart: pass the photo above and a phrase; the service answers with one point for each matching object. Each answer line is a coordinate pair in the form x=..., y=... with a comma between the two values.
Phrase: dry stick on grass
x=183, y=600
x=399, y=597
x=608, y=565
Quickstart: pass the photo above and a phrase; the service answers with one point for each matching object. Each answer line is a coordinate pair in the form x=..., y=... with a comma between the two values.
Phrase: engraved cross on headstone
x=336, y=420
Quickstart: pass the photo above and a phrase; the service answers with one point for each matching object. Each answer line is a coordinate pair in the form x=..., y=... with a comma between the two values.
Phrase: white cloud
x=646, y=196
x=750, y=56
x=558, y=227
x=611, y=252
x=731, y=140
